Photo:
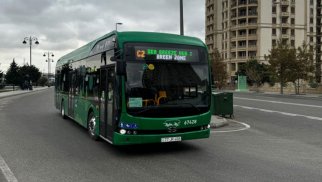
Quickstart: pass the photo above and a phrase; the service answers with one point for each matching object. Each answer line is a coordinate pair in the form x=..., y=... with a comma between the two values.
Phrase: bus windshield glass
x=166, y=80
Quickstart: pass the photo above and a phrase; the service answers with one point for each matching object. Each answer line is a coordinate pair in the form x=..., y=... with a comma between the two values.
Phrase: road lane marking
x=6, y=171
x=279, y=102
x=279, y=112
x=246, y=126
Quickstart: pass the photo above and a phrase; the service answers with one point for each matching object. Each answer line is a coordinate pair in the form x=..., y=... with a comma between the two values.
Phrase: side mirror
x=120, y=67
x=113, y=59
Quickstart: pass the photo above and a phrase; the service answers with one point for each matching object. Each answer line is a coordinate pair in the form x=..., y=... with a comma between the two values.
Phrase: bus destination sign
x=166, y=54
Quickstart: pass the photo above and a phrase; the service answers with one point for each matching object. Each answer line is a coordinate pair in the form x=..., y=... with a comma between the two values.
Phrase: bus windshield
x=160, y=86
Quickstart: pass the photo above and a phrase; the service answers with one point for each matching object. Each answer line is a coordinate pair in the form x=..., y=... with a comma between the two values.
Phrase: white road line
x=6, y=171
x=246, y=126
x=279, y=102
x=278, y=112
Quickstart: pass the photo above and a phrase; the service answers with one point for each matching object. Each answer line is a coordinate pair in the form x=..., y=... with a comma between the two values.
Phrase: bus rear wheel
x=91, y=126
x=62, y=110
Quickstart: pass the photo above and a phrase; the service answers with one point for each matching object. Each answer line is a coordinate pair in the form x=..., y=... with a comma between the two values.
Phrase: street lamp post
x=30, y=40
x=181, y=18
x=119, y=23
x=49, y=61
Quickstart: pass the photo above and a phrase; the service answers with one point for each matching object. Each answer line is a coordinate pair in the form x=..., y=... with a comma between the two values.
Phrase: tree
x=303, y=66
x=30, y=73
x=12, y=76
x=43, y=81
x=281, y=58
x=218, y=69
x=254, y=71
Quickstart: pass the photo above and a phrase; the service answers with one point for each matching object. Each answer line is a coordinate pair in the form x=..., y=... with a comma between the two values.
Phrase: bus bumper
x=120, y=139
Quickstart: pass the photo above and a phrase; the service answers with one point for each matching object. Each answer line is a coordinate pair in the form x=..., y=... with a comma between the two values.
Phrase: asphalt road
x=283, y=143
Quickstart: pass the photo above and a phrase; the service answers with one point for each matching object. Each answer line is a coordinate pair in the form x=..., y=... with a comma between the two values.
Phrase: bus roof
x=124, y=37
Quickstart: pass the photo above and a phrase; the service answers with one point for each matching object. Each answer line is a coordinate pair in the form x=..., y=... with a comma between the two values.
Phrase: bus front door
x=107, y=75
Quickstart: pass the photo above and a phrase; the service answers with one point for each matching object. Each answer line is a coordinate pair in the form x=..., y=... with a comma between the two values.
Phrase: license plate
x=170, y=139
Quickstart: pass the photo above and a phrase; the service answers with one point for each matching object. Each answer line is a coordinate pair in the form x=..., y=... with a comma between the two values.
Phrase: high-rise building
x=248, y=29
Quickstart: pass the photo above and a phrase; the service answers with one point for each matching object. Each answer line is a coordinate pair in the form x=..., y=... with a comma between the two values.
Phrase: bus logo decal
x=172, y=125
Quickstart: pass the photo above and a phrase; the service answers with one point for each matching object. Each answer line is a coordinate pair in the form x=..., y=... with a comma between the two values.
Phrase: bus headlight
x=122, y=131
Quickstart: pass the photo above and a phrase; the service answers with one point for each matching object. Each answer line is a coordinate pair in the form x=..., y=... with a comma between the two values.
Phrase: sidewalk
x=217, y=121
x=19, y=92
x=318, y=96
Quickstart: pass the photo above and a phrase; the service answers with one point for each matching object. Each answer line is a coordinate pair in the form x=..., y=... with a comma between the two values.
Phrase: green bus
x=137, y=87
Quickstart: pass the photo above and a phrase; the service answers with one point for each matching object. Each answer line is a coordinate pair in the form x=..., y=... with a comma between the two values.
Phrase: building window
x=233, y=66
x=311, y=11
x=284, y=20
x=293, y=43
x=274, y=9
x=252, y=54
x=292, y=10
x=252, y=32
x=292, y=21
x=274, y=20
x=273, y=31
x=311, y=20
x=284, y=9
x=252, y=43
x=292, y=32
x=273, y=43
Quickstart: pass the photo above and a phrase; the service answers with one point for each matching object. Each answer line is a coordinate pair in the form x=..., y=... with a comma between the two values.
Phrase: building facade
x=248, y=29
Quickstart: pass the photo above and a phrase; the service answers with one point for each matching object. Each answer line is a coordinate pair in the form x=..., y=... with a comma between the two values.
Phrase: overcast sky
x=64, y=25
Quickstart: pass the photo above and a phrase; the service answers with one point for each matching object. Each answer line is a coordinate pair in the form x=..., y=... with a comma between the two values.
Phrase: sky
x=62, y=26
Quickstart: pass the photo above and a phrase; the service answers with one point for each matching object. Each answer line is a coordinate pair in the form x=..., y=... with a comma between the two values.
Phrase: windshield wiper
x=144, y=110
x=185, y=103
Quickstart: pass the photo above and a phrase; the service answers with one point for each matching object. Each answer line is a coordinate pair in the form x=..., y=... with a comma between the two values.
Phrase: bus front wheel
x=91, y=125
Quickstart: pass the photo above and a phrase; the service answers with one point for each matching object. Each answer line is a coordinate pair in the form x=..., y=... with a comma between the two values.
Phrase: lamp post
x=30, y=40
x=181, y=18
x=49, y=61
x=119, y=23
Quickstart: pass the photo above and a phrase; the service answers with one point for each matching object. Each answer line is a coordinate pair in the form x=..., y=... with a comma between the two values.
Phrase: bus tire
x=62, y=110
x=91, y=126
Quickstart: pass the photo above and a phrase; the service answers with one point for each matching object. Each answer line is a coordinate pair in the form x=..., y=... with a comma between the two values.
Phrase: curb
x=23, y=92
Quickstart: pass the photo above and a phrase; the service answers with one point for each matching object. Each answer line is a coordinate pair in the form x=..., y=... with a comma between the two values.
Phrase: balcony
x=285, y=36
x=252, y=36
x=285, y=14
x=285, y=2
x=286, y=25
x=210, y=12
x=252, y=13
x=240, y=15
x=209, y=32
x=250, y=2
x=209, y=3
x=252, y=47
x=209, y=42
x=209, y=23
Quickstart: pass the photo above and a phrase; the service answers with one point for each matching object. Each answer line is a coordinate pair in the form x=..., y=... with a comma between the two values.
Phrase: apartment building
x=248, y=29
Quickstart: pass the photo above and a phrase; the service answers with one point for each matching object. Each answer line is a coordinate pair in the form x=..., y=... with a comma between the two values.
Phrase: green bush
x=313, y=84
